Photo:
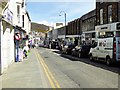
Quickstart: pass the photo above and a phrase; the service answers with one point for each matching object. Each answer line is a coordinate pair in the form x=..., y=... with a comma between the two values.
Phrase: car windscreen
x=86, y=47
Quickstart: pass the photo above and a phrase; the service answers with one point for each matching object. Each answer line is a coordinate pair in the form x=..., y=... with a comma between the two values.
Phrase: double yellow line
x=52, y=80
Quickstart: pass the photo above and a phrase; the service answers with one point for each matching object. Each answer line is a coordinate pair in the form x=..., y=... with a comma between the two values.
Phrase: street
x=48, y=68
x=69, y=73
x=63, y=44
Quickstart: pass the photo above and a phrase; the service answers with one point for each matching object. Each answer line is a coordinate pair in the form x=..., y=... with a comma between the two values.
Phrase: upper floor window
x=109, y=13
x=101, y=16
x=18, y=13
x=18, y=9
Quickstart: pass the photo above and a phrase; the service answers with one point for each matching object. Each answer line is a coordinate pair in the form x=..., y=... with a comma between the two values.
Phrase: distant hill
x=39, y=27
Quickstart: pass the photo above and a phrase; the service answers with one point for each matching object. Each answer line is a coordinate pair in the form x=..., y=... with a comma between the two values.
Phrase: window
x=18, y=13
x=18, y=9
x=101, y=16
x=109, y=13
x=118, y=34
x=106, y=34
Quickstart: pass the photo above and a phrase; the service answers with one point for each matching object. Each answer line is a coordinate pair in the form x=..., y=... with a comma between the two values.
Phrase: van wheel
x=108, y=61
x=91, y=57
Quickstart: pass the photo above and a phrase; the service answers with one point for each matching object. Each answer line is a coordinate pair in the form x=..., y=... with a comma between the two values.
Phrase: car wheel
x=108, y=61
x=79, y=55
x=91, y=57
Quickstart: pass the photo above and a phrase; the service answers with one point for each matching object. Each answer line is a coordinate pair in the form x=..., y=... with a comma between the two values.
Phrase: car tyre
x=108, y=61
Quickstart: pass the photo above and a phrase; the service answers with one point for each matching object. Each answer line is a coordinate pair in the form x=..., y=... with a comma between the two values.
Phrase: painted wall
x=7, y=38
x=7, y=32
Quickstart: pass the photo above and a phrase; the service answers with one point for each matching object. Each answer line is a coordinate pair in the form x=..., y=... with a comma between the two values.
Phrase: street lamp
x=65, y=21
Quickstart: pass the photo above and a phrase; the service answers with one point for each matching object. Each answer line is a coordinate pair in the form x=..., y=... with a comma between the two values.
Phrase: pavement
x=26, y=74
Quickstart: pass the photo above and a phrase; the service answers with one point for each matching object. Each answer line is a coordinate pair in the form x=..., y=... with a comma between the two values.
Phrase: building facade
x=88, y=23
x=3, y=5
x=107, y=12
x=83, y=28
x=107, y=16
x=73, y=30
x=11, y=23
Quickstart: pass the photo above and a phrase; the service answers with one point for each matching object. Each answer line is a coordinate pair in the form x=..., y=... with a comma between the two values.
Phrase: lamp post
x=65, y=21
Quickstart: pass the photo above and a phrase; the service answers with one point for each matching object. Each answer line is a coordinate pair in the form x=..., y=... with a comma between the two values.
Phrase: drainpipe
x=1, y=18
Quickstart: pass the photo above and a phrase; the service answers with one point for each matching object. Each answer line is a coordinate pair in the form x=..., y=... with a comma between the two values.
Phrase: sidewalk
x=26, y=74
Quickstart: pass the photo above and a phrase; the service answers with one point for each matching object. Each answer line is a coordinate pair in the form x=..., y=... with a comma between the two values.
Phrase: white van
x=107, y=48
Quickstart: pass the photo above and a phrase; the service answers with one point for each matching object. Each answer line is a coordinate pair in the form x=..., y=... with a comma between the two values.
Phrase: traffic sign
x=17, y=36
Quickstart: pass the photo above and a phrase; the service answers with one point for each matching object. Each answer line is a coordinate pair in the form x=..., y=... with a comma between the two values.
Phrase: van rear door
x=118, y=48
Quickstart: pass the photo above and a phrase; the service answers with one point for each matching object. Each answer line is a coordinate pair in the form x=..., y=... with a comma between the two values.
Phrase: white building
x=16, y=19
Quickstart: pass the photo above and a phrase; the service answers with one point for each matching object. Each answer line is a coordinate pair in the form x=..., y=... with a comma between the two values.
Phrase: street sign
x=17, y=36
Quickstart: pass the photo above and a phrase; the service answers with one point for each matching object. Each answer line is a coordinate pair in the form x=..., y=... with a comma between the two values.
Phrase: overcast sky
x=47, y=12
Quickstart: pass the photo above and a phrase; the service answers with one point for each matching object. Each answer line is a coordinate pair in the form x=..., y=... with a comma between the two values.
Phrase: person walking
x=25, y=51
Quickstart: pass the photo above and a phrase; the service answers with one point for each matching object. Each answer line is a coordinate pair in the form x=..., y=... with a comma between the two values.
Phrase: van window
x=94, y=44
x=106, y=34
x=118, y=34
x=109, y=34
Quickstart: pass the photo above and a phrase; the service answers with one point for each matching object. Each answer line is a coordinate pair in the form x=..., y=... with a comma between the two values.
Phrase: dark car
x=75, y=51
x=68, y=48
x=54, y=45
x=81, y=51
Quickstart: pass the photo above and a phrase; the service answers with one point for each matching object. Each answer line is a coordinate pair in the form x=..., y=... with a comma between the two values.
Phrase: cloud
x=46, y=23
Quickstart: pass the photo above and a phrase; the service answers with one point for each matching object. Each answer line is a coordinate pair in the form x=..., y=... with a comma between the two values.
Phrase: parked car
x=41, y=45
x=46, y=46
x=81, y=51
x=54, y=45
x=33, y=45
x=68, y=48
x=75, y=51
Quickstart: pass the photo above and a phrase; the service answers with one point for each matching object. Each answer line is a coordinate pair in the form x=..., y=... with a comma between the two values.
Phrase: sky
x=48, y=12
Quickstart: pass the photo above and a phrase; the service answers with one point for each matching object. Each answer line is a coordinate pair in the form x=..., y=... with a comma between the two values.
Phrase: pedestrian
x=25, y=51
x=20, y=54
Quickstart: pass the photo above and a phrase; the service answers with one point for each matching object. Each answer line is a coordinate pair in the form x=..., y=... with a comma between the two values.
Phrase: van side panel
x=117, y=48
x=105, y=47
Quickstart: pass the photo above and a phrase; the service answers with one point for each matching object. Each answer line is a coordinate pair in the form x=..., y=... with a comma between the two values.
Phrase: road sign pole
x=17, y=50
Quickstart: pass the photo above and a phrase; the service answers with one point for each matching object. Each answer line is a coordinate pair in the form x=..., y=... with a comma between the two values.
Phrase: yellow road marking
x=52, y=84
x=58, y=86
x=49, y=75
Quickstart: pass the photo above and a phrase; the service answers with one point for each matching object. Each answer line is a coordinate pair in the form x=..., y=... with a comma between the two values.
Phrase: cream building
x=15, y=19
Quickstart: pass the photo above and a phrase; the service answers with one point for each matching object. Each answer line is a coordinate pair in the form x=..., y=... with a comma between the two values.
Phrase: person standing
x=20, y=54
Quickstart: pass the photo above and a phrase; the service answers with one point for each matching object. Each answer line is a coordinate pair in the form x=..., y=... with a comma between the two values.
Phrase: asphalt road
x=71, y=72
